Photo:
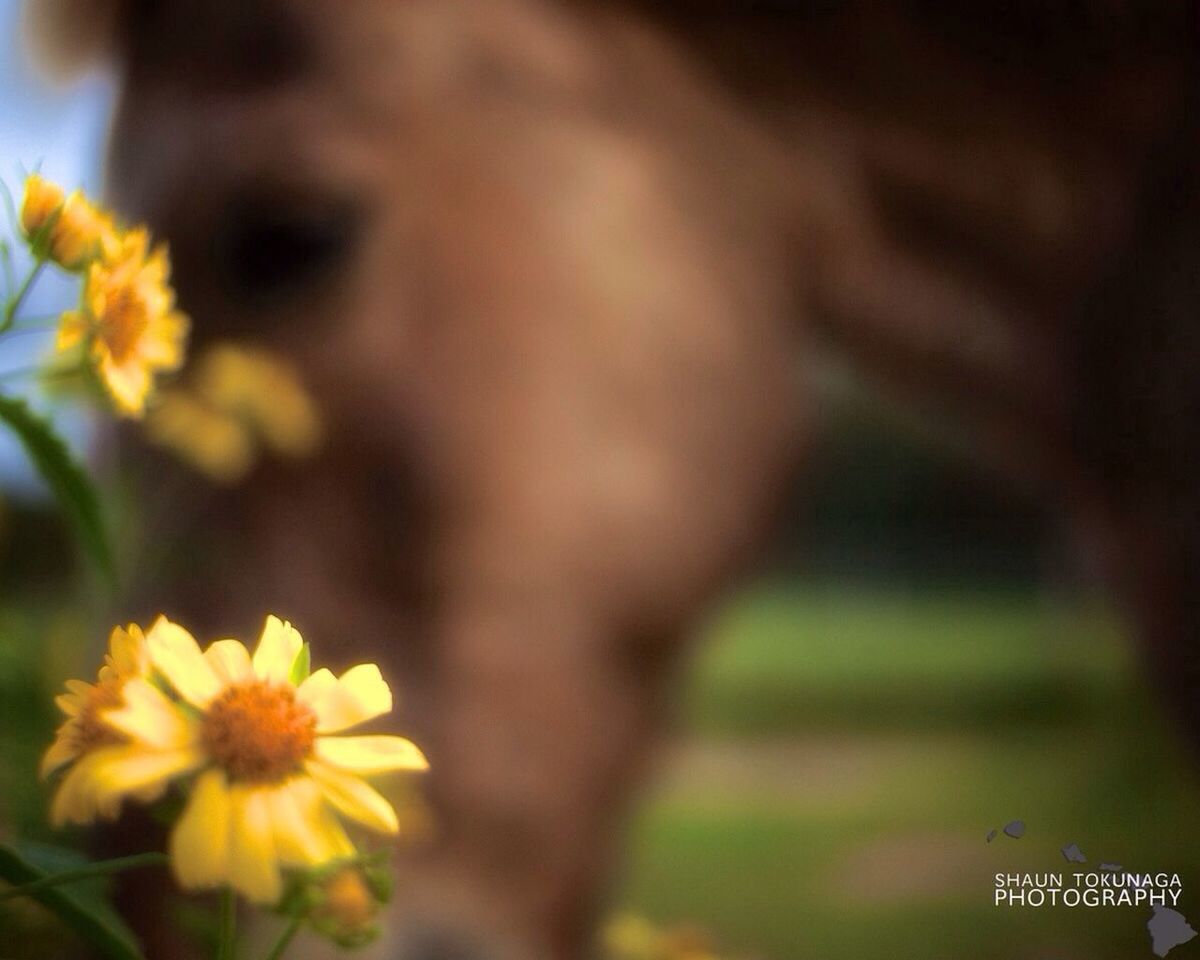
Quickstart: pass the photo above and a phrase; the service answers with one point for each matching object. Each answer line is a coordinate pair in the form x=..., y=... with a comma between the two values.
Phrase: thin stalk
x=46, y=373
x=285, y=938
x=227, y=937
x=10, y=310
x=100, y=868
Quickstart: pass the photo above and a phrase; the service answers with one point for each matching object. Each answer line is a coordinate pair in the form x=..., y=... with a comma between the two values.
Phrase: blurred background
x=917, y=664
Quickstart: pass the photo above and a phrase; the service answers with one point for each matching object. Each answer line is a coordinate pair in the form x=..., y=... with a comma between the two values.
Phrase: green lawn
x=843, y=756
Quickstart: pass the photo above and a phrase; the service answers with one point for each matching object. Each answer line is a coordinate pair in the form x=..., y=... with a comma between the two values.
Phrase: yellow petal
x=354, y=797
x=95, y=786
x=127, y=383
x=62, y=751
x=72, y=328
x=127, y=648
x=230, y=661
x=131, y=768
x=79, y=688
x=148, y=717
x=359, y=695
x=329, y=831
x=175, y=653
x=277, y=649
x=70, y=703
x=199, y=844
x=253, y=863
x=376, y=754
x=75, y=799
x=305, y=832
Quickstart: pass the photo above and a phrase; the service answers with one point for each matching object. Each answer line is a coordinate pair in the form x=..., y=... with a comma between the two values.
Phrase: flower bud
x=42, y=201
x=348, y=904
x=68, y=230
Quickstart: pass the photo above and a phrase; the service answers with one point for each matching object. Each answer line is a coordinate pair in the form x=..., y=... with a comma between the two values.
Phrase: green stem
x=227, y=937
x=100, y=868
x=45, y=373
x=285, y=938
x=10, y=310
x=46, y=321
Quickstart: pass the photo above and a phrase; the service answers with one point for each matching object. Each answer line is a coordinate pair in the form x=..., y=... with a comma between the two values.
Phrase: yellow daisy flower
x=75, y=230
x=129, y=320
x=85, y=734
x=271, y=772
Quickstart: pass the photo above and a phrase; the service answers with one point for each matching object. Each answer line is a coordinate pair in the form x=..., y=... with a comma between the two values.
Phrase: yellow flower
x=264, y=391
x=219, y=446
x=237, y=398
x=69, y=230
x=271, y=772
x=85, y=734
x=129, y=321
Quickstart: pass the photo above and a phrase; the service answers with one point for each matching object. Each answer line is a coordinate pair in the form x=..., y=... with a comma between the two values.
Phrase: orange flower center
x=258, y=732
x=124, y=322
x=90, y=730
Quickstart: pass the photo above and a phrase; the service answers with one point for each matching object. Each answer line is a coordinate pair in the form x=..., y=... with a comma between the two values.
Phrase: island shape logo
x=1109, y=885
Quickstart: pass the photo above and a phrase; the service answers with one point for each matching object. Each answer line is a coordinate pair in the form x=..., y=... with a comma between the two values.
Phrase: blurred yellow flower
x=128, y=322
x=630, y=937
x=271, y=772
x=264, y=391
x=237, y=398
x=70, y=230
x=84, y=734
x=217, y=445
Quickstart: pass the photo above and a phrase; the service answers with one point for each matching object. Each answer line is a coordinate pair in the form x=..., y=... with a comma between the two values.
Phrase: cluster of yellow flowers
x=254, y=741
x=255, y=745
x=127, y=323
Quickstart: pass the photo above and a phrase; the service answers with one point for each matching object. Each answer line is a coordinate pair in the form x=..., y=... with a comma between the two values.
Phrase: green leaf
x=68, y=481
x=301, y=666
x=94, y=921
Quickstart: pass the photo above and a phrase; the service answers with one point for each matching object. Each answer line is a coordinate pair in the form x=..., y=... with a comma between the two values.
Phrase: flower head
x=85, y=734
x=237, y=400
x=69, y=230
x=262, y=736
x=217, y=445
x=264, y=391
x=128, y=321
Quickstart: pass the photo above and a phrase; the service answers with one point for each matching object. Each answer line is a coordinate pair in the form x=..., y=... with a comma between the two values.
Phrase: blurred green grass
x=843, y=754
x=840, y=756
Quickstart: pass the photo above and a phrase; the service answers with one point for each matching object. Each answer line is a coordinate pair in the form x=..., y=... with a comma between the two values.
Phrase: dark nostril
x=269, y=248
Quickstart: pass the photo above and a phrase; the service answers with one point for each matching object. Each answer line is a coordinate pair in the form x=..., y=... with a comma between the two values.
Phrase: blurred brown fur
x=555, y=271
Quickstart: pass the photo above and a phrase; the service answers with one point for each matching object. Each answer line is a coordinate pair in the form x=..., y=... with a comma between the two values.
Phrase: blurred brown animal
x=555, y=269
